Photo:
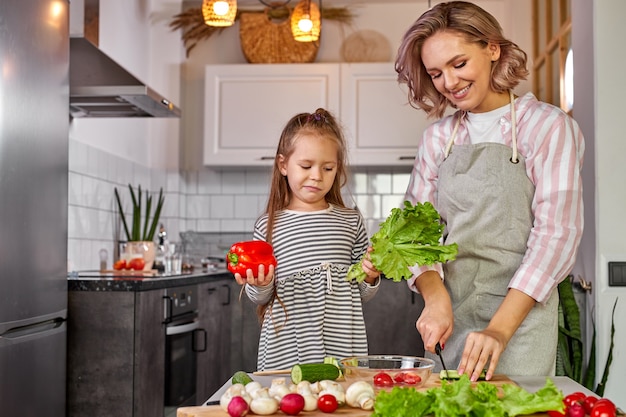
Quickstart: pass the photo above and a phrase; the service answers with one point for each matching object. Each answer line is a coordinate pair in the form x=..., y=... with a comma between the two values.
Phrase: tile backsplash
x=208, y=200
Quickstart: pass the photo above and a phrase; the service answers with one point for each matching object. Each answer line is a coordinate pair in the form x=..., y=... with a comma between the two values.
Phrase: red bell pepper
x=249, y=255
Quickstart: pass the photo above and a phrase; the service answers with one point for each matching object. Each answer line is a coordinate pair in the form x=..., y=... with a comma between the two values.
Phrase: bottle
x=161, y=249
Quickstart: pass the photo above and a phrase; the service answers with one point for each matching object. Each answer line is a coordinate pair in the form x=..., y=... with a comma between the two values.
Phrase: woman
x=504, y=173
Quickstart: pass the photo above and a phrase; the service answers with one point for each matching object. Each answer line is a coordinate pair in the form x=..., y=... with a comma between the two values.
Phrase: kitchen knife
x=438, y=352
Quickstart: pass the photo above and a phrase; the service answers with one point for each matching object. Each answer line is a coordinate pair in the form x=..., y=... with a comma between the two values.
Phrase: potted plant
x=140, y=235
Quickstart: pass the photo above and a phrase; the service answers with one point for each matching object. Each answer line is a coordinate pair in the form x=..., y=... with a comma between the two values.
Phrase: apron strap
x=514, y=157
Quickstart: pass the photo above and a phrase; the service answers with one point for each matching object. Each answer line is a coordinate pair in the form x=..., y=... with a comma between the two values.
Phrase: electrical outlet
x=617, y=274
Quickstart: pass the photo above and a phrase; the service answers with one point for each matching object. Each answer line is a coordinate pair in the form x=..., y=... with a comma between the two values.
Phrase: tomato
x=574, y=398
x=137, y=264
x=119, y=265
x=327, y=403
x=409, y=378
x=383, y=379
x=576, y=410
x=588, y=403
x=603, y=408
x=554, y=413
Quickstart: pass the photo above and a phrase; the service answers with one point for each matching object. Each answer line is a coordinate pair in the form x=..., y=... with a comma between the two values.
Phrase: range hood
x=99, y=86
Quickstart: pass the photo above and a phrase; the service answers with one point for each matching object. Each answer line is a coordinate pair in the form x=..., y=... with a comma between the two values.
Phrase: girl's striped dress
x=322, y=314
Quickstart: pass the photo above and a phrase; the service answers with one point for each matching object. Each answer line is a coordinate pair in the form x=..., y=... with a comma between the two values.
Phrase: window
x=552, y=30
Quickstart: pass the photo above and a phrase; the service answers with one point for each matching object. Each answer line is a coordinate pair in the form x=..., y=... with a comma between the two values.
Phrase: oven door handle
x=182, y=328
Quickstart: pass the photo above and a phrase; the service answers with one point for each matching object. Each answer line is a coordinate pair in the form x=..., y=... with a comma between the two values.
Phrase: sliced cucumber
x=333, y=361
x=314, y=372
x=454, y=374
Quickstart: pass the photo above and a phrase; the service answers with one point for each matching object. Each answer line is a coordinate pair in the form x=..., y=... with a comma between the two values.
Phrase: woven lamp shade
x=306, y=9
x=220, y=13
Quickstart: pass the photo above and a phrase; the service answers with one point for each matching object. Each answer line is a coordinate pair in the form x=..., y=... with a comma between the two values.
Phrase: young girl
x=504, y=172
x=307, y=307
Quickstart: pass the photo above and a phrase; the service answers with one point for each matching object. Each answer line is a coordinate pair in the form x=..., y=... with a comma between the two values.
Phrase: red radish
x=238, y=407
x=292, y=404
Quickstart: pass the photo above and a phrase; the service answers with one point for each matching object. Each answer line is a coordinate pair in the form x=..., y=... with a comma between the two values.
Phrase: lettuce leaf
x=462, y=398
x=408, y=236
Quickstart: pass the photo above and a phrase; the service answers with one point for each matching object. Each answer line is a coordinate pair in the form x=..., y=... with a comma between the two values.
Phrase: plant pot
x=142, y=249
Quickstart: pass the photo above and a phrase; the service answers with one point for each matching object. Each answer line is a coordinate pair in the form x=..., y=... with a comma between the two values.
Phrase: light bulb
x=305, y=25
x=220, y=8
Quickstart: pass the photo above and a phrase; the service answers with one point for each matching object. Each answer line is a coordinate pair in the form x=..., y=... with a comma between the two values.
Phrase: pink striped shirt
x=553, y=146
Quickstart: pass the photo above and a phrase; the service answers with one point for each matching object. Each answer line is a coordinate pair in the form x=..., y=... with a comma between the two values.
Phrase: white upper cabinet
x=247, y=106
x=381, y=127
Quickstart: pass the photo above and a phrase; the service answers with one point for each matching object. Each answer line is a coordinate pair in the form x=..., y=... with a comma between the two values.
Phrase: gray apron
x=485, y=201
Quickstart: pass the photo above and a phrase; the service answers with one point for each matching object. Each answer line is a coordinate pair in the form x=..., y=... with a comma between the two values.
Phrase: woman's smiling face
x=461, y=71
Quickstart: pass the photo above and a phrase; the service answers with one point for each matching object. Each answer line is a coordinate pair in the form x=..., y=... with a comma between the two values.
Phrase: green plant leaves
x=136, y=233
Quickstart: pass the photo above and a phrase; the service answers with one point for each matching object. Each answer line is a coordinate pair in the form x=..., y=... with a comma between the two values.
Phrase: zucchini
x=241, y=377
x=314, y=372
x=454, y=374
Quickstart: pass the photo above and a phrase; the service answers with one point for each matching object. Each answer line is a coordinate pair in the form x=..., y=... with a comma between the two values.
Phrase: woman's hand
x=436, y=322
x=487, y=345
x=260, y=280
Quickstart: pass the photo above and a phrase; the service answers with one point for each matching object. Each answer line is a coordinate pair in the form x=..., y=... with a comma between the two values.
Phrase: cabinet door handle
x=196, y=337
x=227, y=294
x=406, y=158
x=267, y=158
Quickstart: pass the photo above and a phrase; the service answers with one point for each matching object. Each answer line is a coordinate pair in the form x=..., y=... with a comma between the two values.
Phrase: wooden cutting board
x=216, y=410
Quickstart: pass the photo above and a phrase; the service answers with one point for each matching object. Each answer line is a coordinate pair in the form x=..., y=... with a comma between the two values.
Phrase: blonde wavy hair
x=475, y=25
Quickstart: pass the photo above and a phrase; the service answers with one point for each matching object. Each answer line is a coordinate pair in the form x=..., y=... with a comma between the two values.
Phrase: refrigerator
x=34, y=129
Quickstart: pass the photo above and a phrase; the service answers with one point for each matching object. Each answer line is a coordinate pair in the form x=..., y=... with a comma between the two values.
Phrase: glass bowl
x=386, y=371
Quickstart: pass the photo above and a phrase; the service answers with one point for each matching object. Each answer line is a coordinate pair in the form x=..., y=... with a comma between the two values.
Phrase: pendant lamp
x=220, y=13
x=306, y=21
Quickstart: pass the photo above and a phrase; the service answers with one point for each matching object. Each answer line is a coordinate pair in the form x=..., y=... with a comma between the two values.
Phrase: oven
x=183, y=339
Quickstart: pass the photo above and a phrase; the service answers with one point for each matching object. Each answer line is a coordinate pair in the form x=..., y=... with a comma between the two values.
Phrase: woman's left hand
x=480, y=348
x=487, y=345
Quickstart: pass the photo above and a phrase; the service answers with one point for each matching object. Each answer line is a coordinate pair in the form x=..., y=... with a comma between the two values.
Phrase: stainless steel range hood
x=99, y=86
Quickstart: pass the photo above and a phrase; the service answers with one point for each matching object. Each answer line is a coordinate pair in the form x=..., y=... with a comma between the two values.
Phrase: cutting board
x=216, y=410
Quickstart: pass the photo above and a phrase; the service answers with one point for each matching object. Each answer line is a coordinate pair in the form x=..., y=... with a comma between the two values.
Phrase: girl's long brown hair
x=475, y=25
x=323, y=124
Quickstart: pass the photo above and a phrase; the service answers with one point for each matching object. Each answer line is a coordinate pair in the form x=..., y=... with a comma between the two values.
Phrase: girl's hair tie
x=317, y=117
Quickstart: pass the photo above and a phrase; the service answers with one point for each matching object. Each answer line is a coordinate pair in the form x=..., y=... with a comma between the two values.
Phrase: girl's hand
x=260, y=280
x=369, y=268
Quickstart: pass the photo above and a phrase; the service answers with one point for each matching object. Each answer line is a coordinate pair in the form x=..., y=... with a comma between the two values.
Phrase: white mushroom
x=233, y=391
x=261, y=393
x=278, y=389
x=333, y=388
x=361, y=395
x=310, y=402
x=253, y=386
x=264, y=406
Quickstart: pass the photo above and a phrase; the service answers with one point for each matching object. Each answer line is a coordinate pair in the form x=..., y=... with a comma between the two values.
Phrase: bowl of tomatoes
x=387, y=371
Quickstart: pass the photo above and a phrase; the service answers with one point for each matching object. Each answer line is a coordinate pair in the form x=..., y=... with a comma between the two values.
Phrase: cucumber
x=313, y=372
x=333, y=361
x=241, y=377
x=454, y=374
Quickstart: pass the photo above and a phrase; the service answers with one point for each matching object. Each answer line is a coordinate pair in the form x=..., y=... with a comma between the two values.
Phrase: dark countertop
x=97, y=281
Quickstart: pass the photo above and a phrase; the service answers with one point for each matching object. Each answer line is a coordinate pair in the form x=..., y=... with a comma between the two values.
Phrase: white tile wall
x=208, y=200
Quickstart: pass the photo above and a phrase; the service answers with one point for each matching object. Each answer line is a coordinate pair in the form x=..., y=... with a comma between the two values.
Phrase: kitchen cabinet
x=381, y=128
x=390, y=320
x=116, y=346
x=247, y=106
x=232, y=334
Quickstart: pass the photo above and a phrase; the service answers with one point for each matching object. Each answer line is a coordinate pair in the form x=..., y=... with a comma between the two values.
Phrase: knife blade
x=438, y=352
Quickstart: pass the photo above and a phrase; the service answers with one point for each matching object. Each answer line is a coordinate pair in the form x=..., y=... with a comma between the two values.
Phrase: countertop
x=98, y=281
x=529, y=383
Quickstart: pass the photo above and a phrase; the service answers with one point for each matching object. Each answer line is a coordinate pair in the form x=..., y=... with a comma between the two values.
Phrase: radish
x=292, y=404
x=238, y=407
